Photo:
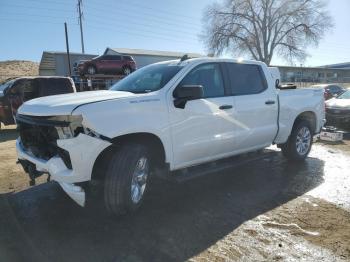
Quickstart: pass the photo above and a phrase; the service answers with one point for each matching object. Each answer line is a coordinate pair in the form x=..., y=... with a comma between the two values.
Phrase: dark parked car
x=15, y=92
x=108, y=64
x=338, y=111
x=330, y=90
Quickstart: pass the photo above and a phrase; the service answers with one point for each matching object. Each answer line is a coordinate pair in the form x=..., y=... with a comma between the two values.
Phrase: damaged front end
x=39, y=137
x=61, y=147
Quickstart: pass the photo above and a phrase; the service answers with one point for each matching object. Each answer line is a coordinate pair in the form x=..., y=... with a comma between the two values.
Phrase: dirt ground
x=16, y=68
x=271, y=210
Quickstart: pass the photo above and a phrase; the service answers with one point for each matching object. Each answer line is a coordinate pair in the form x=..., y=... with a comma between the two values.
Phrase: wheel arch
x=308, y=116
x=150, y=140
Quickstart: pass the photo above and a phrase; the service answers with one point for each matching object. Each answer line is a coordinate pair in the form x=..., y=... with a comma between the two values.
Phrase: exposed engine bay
x=39, y=135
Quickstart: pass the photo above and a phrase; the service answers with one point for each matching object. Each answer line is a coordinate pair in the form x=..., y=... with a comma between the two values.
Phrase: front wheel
x=126, y=179
x=299, y=143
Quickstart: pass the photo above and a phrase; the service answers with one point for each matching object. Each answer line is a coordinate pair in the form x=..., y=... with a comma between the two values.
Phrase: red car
x=108, y=64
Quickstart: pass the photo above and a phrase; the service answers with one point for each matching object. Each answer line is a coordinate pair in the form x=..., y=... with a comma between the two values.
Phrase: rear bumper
x=83, y=151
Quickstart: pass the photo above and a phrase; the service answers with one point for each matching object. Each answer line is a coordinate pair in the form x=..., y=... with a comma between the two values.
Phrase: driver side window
x=209, y=76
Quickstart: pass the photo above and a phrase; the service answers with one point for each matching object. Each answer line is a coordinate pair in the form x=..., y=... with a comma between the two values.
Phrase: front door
x=197, y=129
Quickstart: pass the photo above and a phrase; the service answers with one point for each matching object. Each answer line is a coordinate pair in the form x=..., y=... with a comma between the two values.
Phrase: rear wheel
x=299, y=143
x=126, y=179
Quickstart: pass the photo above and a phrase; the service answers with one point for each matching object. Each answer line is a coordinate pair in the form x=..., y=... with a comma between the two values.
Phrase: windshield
x=148, y=79
x=345, y=95
x=3, y=86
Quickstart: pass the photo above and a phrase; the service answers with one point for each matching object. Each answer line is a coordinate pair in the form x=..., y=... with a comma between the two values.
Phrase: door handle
x=225, y=107
x=270, y=102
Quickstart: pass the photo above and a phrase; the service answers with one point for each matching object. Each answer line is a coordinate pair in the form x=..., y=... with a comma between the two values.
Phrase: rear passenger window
x=209, y=76
x=246, y=79
x=54, y=86
x=29, y=89
x=116, y=57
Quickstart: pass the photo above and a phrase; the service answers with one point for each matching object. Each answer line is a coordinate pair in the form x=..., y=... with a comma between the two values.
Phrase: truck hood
x=338, y=103
x=65, y=104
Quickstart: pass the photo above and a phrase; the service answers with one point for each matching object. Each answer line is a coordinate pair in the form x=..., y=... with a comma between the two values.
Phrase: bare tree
x=262, y=28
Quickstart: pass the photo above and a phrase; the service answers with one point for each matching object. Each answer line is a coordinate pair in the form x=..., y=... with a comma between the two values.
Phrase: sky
x=29, y=27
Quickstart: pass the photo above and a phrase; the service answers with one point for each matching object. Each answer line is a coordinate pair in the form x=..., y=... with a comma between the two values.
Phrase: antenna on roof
x=185, y=57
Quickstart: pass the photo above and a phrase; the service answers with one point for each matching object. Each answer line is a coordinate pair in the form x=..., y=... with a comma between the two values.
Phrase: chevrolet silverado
x=173, y=116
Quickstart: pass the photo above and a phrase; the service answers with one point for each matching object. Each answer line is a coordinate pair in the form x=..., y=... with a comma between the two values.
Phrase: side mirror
x=185, y=93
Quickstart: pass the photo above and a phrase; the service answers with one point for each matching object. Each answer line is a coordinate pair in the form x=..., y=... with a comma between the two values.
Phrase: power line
x=31, y=21
x=155, y=35
x=157, y=10
x=118, y=9
x=35, y=15
x=50, y=2
x=154, y=18
x=100, y=23
x=39, y=8
x=149, y=36
x=180, y=33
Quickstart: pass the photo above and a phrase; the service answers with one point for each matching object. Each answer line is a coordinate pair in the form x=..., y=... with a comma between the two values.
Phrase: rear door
x=256, y=108
x=112, y=63
x=117, y=64
x=103, y=63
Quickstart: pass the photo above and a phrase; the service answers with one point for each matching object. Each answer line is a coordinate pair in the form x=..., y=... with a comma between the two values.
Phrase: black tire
x=290, y=150
x=91, y=70
x=119, y=177
x=127, y=70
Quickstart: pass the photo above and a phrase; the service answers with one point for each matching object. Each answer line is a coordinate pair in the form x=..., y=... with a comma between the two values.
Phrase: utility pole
x=67, y=46
x=81, y=26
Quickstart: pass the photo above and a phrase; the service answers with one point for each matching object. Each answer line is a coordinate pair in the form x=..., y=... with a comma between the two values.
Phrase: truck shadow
x=176, y=222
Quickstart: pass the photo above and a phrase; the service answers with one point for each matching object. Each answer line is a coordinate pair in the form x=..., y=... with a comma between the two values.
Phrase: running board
x=220, y=165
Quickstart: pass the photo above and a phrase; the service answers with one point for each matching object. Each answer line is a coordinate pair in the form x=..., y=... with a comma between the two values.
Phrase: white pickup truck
x=171, y=116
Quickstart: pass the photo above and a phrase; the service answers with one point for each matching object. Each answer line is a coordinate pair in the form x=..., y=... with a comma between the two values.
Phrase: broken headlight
x=68, y=126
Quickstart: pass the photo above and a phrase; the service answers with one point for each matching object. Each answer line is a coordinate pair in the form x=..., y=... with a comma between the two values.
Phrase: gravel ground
x=271, y=210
